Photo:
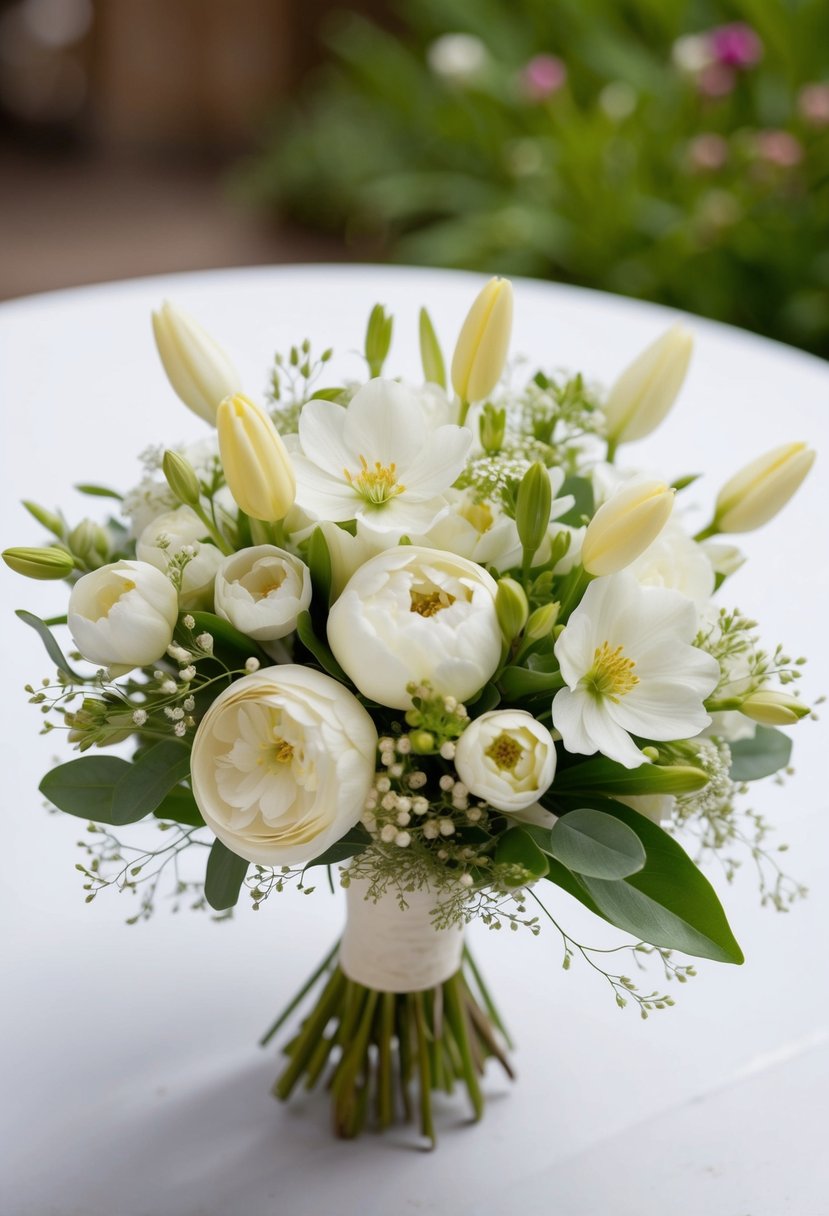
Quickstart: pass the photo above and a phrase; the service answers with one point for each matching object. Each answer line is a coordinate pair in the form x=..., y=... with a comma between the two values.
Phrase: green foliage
x=355, y=841
x=52, y=648
x=595, y=844
x=107, y=789
x=707, y=191
x=765, y=753
x=224, y=877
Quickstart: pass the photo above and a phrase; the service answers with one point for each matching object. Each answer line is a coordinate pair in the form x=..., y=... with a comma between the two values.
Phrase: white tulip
x=625, y=524
x=123, y=615
x=758, y=491
x=262, y=591
x=282, y=764
x=506, y=758
x=165, y=537
x=412, y=615
x=199, y=371
x=645, y=391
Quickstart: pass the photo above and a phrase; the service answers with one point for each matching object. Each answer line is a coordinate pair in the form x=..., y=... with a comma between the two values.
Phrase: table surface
x=133, y=1085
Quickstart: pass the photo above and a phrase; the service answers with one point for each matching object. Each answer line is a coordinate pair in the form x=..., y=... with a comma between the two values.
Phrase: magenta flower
x=736, y=45
x=716, y=80
x=779, y=148
x=543, y=76
x=813, y=104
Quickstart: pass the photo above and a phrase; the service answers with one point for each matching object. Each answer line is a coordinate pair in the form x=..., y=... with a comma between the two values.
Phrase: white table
x=132, y=1083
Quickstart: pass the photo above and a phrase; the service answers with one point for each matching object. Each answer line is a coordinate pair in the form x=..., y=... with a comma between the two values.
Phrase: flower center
x=479, y=515
x=109, y=596
x=505, y=752
x=430, y=603
x=276, y=751
x=375, y=485
x=611, y=674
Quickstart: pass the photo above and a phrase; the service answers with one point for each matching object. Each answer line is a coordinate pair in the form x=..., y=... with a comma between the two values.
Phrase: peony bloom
x=412, y=615
x=123, y=615
x=282, y=764
x=630, y=669
x=506, y=758
x=165, y=537
x=199, y=371
x=262, y=591
x=376, y=461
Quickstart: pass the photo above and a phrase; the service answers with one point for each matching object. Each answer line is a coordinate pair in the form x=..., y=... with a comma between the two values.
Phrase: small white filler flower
x=630, y=668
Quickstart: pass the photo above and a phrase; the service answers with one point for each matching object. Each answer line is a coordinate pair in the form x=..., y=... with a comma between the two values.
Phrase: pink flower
x=778, y=148
x=543, y=76
x=716, y=80
x=736, y=45
x=708, y=152
x=813, y=104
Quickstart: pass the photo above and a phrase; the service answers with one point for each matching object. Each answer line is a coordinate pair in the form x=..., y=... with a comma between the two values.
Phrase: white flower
x=675, y=560
x=179, y=529
x=282, y=764
x=375, y=460
x=415, y=614
x=123, y=615
x=262, y=591
x=458, y=57
x=506, y=758
x=630, y=669
x=477, y=530
x=725, y=559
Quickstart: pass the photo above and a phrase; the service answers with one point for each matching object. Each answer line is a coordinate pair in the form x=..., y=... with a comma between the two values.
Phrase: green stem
x=310, y=1034
x=710, y=530
x=612, y=445
x=462, y=412
x=427, y=1125
x=486, y=997
x=221, y=543
x=456, y=1016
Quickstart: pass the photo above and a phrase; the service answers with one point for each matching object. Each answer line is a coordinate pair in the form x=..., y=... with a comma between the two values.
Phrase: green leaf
x=602, y=776
x=225, y=875
x=319, y=563
x=518, y=682
x=179, y=806
x=517, y=850
x=431, y=356
x=487, y=699
x=52, y=649
x=144, y=786
x=328, y=394
x=768, y=751
x=226, y=636
x=85, y=787
x=596, y=844
x=318, y=648
x=94, y=491
x=355, y=841
x=582, y=490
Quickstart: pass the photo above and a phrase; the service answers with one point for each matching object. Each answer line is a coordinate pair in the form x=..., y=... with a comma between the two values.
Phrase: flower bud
x=431, y=356
x=754, y=495
x=123, y=615
x=533, y=504
x=39, y=563
x=49, y=519
x=492, y=426
x=625, y=525
x=645, y=391
x=378, y=339
x=481, y=349
x=181, y=478
x=771, y=707
x=540, y=625
x=511, y=607
x=199, y=371
x=82, y=537
x=256, y=464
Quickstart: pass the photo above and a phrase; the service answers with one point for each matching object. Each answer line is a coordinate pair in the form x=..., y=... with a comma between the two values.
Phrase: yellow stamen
x=109, y=596
x=611, y=675
x=505, y=752
x=479, y=515
x=375, y=485
x=430, y=603
x=280, y=751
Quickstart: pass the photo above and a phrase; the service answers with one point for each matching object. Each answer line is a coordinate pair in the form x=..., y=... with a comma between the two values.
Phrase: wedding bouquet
x=439, y=642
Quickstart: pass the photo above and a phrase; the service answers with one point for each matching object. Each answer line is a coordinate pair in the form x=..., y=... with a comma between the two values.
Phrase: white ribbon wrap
x=394, y=950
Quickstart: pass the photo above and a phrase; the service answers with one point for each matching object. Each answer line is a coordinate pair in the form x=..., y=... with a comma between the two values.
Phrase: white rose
x=262, y=591
x=282, y=764
x=412, y=615
x=675, y=560
x=123, y=615
x=180, y=529
x=506, y=758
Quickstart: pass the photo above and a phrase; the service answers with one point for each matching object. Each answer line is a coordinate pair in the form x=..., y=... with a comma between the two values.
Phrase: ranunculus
x=282, y=764
x=507, y=758
x=123, y=615
x=414, y=615
x=262, y=591
x=182, y=529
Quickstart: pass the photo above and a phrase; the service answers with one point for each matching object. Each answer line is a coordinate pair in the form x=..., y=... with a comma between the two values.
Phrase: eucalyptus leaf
x=595, y=844
x=85, y=787
x=224, y=877
x=144, y=786
x=766, y=753
x=516, y=848
x=355, y=841
x=47, y=638
x=179, y=806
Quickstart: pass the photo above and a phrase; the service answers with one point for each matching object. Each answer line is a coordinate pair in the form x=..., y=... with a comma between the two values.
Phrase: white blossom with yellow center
x=377, y=460
x=630, y=669
x=506, y=758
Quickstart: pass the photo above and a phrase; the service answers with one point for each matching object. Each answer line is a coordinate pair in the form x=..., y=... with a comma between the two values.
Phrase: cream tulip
x=757, y=492
x=256, y=463
x=481, y=349
x=642, y=396
x=625, y=525
x=199, y=371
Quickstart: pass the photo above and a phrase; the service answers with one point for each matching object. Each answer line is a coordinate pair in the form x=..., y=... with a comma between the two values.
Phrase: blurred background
x=674, y=151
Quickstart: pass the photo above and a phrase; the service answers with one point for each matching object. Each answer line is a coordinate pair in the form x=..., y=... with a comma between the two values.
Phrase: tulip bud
x=481, y=349
x=540, y=625
x=39, y=563
x=511, y=607
x=625, y=525
x=771, y=707
x=181, y=478
x=533, y=504
x=645, y=391
x=492, y=426
x=256, y=464
x=754, y=495
x=199, y=371
x=378, y=339
x=82, y=537
x=431, y=356
x=49, y=519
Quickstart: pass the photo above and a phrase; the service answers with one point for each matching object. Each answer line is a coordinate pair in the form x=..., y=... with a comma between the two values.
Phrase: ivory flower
x=506, y=758
x=412, y=615
x=123, y=615
x=630, y=669
x=262, y=591
x=165, y=538
x=625, y=524
x=376, y=460
x=282, y=763
x=481, y=349
x=256, y=463
x=645, y=391
x=675, y=560
x=199, y=371
x=757, y=492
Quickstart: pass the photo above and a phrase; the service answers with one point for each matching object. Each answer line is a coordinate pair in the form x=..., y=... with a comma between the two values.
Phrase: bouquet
x=437, y=641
